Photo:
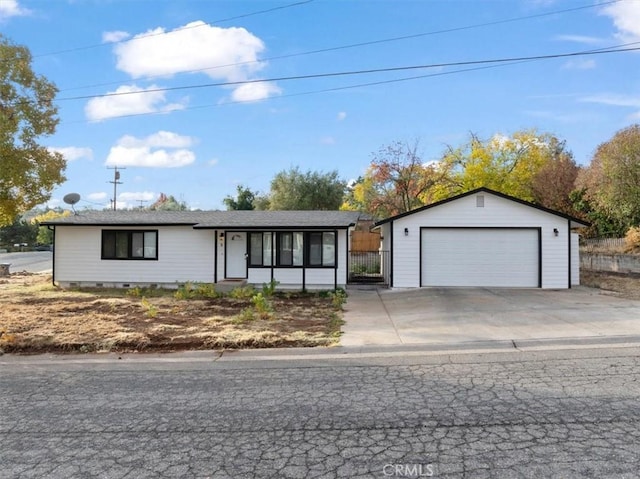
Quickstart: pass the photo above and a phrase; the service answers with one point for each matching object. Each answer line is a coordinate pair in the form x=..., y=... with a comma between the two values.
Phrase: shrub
x=136, y=292
x=262, y=306
x=269, y=288
x=206, y=291
x=338, y=298
x=151, y=310
x=247, y=314
x=244, y=292
x=632, y=239
x=185, y=291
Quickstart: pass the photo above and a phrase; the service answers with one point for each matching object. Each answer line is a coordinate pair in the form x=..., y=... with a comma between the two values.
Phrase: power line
x=616, y=49
x=368, y=43
x=312, y=92
x=346, y=87
x=245, y=15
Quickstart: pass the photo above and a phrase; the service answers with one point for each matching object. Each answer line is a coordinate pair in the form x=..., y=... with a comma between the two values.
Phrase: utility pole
x=116, y=181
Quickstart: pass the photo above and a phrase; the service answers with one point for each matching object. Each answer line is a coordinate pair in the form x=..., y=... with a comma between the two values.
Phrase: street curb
x=337, y=352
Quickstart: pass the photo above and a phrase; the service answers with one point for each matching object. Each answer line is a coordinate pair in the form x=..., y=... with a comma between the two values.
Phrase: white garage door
x=499, y=257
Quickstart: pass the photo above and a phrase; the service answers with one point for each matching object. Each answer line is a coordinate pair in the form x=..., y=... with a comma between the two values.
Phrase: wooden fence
x=363, y=241
x=611, y=245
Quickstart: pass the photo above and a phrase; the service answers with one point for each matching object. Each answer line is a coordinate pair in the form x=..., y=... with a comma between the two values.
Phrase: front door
x=236, y=254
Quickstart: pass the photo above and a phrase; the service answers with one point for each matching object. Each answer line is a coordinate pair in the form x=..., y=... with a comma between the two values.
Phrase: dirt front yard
x=35, y=316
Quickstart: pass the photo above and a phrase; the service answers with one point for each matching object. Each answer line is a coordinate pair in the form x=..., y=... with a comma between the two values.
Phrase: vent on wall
x=480, y=201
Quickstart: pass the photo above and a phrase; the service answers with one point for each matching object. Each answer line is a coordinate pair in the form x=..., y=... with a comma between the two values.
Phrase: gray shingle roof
x=213, y=219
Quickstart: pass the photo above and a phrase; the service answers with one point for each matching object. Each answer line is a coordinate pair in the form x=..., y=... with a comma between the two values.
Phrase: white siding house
x=298, y=249
x=482, y=238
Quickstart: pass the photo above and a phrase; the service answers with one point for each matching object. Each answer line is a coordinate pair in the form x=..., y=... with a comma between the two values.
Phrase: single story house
x=482, y=238
x=299, y=249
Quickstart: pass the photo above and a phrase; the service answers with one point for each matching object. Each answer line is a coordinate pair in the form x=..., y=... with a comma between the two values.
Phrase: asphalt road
x=558, y=414
x=32, y=262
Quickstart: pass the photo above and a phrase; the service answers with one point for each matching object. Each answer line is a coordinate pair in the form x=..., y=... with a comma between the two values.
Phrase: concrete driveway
x=443, y=316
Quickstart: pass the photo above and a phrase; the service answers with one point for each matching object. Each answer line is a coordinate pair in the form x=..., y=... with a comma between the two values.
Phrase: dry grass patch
x=36, y=316
x=624, y=285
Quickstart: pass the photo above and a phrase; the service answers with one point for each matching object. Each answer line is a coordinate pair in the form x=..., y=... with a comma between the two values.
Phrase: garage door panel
x=494, y=257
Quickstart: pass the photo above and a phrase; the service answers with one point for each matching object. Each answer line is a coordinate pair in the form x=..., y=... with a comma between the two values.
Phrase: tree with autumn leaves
x=396, y=181
x=528, y=165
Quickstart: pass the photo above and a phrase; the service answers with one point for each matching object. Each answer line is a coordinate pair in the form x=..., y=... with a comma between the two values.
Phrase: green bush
x=244, y=292
x=262, y=306
x=338, y=298
x=247, y=314
x=206, y=291
x=185, y=291
x=151, y=310
x=197, y=291
x=269, y=288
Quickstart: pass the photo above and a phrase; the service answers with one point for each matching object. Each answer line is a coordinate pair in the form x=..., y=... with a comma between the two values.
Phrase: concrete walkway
x=441, y=316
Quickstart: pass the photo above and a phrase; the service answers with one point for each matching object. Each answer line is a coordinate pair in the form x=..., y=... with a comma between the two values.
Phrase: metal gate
x=369, y=267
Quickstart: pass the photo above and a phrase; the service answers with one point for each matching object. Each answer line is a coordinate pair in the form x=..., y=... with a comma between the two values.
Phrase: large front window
x=124, y=244
x=292, y=249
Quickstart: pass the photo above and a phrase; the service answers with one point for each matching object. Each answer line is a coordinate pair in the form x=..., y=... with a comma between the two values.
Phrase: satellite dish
x=71, y=198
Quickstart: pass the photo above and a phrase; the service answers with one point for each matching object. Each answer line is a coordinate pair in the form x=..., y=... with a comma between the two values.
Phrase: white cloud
x=115, y=36
x=195, y=46
x=626, y=18
x=213, y=162
x=625, y=101
x=328, y=140
x=137, y=196
x=97, y=196
x=580, y=39
x=129, y=100
x=160, y=150
x=72, y=153
x=166, y=139
x=255, y=91
x=342, y=115
x=579, y=64
x=11, y=8
x=613, y=100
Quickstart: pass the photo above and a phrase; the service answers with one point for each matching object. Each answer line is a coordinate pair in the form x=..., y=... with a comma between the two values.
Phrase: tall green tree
x=243, y=201
x=312, y=190
x=28, y=170
x=45, y=235
x=610, y=185
x=18, y=232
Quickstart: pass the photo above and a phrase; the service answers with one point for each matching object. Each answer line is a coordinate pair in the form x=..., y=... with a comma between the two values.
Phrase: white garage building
x=482, y=238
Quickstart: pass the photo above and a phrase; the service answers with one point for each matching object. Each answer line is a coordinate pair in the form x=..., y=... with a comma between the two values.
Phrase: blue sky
x=199, y=143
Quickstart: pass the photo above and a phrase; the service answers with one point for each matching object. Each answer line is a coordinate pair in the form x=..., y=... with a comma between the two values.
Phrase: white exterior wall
x=184, y=254
x=343, y=254
x=575, y=259
x=497, y=212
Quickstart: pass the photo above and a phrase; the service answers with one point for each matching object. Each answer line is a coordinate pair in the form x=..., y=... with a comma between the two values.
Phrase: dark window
x=322, y=249
x=290, y=249
x=293, y=248
x=120, y=244
x=260, y=251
